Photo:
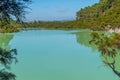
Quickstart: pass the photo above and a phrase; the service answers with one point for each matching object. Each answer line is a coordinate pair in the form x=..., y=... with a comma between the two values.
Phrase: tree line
x=95, y=17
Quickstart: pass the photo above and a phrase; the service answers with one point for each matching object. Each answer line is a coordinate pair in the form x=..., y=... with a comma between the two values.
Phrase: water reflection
x=7, y=56
x=107, y=44
x=55, y=55
x=4, y=40
x=83, y=38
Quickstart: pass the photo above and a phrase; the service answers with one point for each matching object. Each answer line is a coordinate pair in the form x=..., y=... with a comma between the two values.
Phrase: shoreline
x=115, y=30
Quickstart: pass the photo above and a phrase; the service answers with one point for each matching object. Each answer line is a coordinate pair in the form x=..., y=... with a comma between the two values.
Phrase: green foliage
x=10, y=9
x=109, y=46
x=106, y=44
x=50, y=24
x=8, y=28
x=6, y=58
x=104, y=13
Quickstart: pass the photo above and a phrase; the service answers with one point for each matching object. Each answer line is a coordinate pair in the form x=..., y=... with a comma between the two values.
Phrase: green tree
x=12, y=9
x=9, y=8
x=6, y=58
x=109, y=46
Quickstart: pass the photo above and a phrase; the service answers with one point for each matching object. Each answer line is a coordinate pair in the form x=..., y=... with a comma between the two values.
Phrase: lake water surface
x=56, y=55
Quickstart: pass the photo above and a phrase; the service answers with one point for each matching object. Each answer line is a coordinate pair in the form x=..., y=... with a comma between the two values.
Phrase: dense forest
x=101, y=14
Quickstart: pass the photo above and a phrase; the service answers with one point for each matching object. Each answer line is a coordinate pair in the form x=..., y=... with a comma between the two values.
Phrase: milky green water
x=57, y=55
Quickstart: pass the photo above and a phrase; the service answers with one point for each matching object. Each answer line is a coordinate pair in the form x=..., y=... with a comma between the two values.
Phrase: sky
x=52, y=10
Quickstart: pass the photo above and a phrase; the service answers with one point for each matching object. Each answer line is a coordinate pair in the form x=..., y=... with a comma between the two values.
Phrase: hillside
x=101, y=14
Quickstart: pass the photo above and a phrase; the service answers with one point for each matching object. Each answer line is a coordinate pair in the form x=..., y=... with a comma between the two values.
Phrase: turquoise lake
x=56, y=55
